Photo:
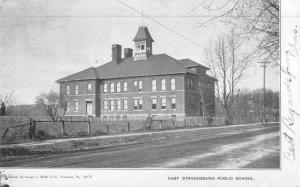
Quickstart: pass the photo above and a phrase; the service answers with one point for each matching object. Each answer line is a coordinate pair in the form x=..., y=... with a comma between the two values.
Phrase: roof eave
x=71, y=80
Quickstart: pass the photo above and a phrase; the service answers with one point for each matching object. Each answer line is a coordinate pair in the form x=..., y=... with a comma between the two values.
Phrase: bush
x=228, y=121
x=42, y=135
x=99, y=132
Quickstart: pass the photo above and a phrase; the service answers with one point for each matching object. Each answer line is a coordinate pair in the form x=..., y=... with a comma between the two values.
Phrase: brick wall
x=197, y=86
x=82, y=97
x=187, y=94
x=146, y=94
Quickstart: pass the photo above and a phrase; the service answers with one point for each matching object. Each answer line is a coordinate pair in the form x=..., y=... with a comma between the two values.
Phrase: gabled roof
x=87, y=74
x=190, y=63
x=143, y=34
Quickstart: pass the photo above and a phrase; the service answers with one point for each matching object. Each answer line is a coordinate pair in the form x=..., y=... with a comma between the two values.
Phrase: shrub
x=42, y=135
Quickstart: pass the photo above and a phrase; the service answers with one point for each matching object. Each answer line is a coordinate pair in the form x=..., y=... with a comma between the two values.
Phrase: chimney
x=116, y=53
x=128, y=53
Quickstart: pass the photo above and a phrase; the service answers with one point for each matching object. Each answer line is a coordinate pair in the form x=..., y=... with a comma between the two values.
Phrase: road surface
x=253, y=146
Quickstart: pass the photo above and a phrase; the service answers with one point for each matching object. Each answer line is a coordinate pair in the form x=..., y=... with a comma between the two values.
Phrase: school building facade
x=140, y=84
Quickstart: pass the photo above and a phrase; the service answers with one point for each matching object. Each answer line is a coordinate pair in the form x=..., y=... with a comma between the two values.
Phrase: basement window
x=173, y=102
x=163, y=103
x=153, y=103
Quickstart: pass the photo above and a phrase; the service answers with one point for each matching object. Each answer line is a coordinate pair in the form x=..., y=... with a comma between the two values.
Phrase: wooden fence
x=20, y=128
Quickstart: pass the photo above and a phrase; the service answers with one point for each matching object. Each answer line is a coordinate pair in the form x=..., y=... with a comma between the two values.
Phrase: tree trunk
x=228, y=118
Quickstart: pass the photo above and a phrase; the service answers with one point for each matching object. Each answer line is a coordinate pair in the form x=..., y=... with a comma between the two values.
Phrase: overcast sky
x=44, y=40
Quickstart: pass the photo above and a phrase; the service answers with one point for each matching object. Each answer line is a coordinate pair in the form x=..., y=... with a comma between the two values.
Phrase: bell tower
x=143, y=44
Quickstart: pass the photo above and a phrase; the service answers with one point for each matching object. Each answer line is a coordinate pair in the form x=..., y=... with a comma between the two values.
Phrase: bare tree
x=49, y=103
x=8, y=99
x=228, y=65
x=255, y=19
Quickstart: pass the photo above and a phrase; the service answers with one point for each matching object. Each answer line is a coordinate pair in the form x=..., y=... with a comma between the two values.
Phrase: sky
x=42, y=41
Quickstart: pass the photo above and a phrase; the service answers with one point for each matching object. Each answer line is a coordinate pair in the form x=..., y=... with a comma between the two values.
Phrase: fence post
x=11, y=121
x=89, y=126
x=128, y=125
x=63, y=127
x=33, y=129
x=30, y=129
x=107, y=127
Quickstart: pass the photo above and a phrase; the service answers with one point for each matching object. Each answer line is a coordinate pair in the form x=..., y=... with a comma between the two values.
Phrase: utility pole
x=264, y=90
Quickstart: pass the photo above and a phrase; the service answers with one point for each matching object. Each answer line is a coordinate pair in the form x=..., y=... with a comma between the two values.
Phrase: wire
x=164, y=26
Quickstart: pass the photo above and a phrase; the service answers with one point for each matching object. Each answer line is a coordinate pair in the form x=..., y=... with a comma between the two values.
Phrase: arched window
x=125, y=86
x=153, y=85
x=118, y=87
x=89, y=86
x=163, y=84
x=105, y=88
x=68, y=89
x=76, y=89
x=112, y=87
x=140, y=85
x=173, y=84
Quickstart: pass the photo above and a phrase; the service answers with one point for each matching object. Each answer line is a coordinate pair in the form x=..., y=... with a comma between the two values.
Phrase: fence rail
x=20, y=128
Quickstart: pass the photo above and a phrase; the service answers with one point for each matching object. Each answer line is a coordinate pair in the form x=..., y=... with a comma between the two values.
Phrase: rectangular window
x=112, y=105
x=135, y=83
x=89, y=86
x=140, y=104
x=112, y=87
x=140, y=85
x=105, y=88
x=163, y=84
x=68, y=106
x=173, y=84
x=153, y=103
x=76, y=89
x=153, y=85
x=105, y=105
x=135, y=104
x=173, y=102
x=118, y=104
x=125, y=104
x=163, y=103
x=125, y=86
x=76, y=106
x=118, y=87
x=68, y=89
